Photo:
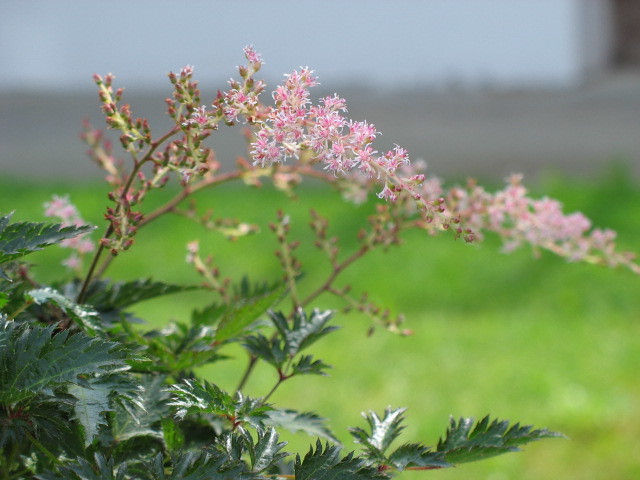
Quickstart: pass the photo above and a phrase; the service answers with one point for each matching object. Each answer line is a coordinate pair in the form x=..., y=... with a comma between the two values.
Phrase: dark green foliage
x=266, y=452
x=47, y=377
x=466, y=443
x=418, y=456
x=293, y=337
x=86, y=396
x=382, y=432
x=106, y=296
x=209, y=465
x=102, y=469
x=35, y=361
x=249, y=307
x=303, y=331
x=21, y=238
x=177, y=348
x=86, y=318
x=326, y=464
x=194, y=397
x=462, y=443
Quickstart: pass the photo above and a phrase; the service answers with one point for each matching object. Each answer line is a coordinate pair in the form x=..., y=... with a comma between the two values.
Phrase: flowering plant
x=87, y=395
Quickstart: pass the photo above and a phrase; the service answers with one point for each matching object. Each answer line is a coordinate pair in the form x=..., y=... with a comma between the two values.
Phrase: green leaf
x=193, y=398
x=98, y=397
x=304, y=330
x=21, y=238
x=172, y=435
x=307, y=422
x=209, y=465
x=266, y=451
x=144, y=419
x=84, y=316
x=91, y=405
x=325, y=464
x=271, y=351
x=33, y=360
x=176, y=349
x=308, y=366
x=245, y=313
x=83, y=470
x=293, y=337
x=4, y=299
x=464, y=443
x=417, y=455
x=106, y=296
x=382, y=432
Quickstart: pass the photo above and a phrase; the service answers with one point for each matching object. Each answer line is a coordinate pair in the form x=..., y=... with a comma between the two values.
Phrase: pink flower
x=252, y=56
x=62, y=208
x=187, y=71
x=68, y=214
x=388, y=193
x=198, y=117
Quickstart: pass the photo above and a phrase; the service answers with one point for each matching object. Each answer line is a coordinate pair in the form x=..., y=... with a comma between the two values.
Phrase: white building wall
x=60, y=44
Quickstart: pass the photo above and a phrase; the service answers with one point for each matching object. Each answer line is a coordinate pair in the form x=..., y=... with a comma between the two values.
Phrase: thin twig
x=334, y=274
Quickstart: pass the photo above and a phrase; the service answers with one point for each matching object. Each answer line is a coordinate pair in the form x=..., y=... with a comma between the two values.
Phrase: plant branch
x=337, y=269
x=253, y=360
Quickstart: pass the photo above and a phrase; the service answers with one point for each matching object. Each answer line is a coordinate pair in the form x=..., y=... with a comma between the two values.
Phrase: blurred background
x=550, y=88
x=476, y=87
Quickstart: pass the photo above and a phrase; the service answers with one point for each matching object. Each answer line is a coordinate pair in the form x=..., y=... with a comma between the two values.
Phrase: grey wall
x=59, y=44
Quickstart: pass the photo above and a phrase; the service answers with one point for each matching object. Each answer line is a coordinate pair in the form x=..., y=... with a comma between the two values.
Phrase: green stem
x=253, y=360
x=43, y=449
x=20, y=310
x=275, y=387
x=94, y=263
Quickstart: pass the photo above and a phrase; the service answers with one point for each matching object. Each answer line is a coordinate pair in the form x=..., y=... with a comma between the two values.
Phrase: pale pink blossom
x=252, y=56
x=198, y=117
x=61, y=207
x=187, y=71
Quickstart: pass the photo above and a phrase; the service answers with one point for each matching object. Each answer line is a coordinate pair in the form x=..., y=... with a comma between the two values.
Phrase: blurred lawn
x=532, y=340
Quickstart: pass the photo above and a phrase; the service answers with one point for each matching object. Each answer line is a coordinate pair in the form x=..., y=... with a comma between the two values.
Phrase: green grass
x=533, y=340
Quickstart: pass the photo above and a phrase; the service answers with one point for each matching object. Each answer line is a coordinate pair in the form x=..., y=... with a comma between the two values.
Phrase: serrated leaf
x=303, y=331
x=417, y=455
x=33, y=360
x=209, y=465
x=271, y=351
x=83, y=470
x=193, y=397
x=307, y=422
x=235, y=321
x=325, y=464
x=99, y=396
x=21, y=238
x=90, y=408
x=105, y=296
x=266, y=451
x=176, y=349
x=144, y=420
x=84, y=316
x=464, y=443
x=382, y=432
x=308, y=366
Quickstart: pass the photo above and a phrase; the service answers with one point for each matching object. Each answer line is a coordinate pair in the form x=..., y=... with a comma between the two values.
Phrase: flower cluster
x=62, y=208
x=242, y=97
x=343, y=147
x=520, y=219
x=292, y=139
